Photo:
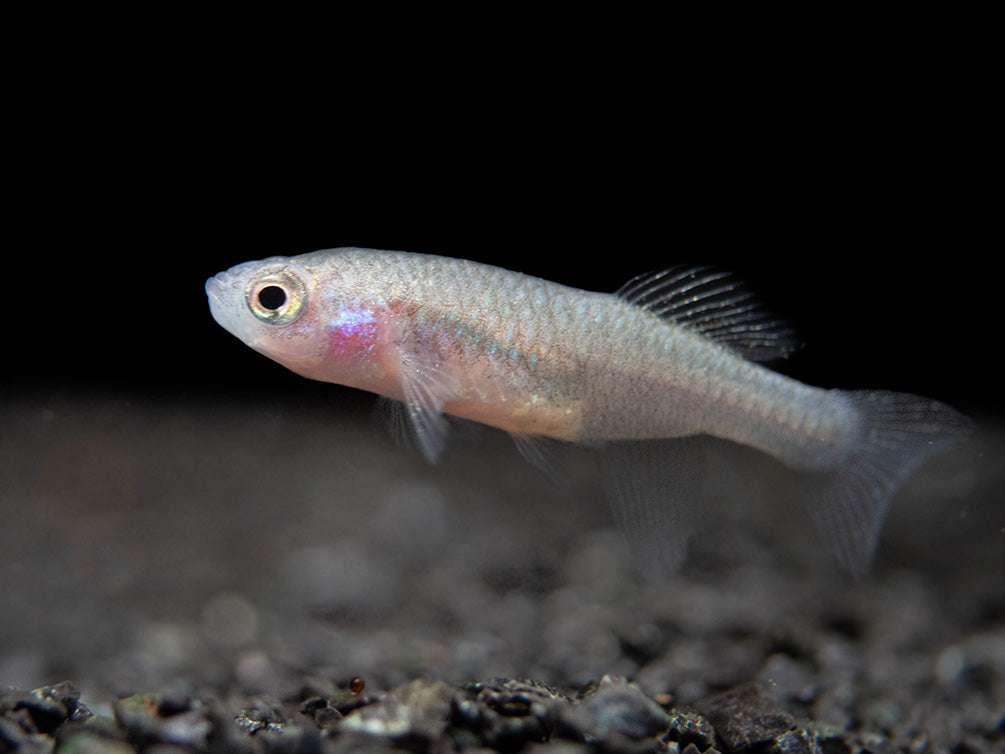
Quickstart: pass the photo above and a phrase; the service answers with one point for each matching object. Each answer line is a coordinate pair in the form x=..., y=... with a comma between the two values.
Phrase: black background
x=885, y=291
x=848, y=192
x=839, y=163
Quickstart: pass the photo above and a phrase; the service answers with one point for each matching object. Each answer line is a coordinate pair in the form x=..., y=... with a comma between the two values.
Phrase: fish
x=640, y=375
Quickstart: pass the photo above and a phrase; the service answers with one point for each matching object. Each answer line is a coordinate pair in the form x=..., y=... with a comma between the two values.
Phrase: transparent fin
x=716, y=304
x=391, y=414
x=540, y=453
x=394, y=415
x=848, y=505
x=654, y=487
x=425, y=387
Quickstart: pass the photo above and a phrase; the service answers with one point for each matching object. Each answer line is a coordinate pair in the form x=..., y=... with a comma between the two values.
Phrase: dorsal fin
x=714, y=303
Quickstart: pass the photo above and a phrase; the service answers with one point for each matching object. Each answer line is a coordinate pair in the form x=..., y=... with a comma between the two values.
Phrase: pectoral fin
x=426, y=386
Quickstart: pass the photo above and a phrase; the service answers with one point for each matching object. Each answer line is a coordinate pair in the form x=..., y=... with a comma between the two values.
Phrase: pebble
x=747, y=719
x=612, y=715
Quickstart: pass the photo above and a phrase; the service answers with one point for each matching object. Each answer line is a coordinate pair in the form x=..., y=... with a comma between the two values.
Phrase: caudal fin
x=901, y=431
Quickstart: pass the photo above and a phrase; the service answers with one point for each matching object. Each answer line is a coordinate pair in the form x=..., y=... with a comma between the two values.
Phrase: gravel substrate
x=237, y=577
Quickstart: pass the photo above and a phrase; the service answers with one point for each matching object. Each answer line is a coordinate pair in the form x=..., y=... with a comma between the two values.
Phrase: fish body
x=669, y=356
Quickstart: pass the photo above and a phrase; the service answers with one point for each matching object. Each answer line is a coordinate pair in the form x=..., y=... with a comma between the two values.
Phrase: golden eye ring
x=276, y=297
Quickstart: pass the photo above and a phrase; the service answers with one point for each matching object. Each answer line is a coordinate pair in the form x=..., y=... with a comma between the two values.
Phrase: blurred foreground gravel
x=223, y=576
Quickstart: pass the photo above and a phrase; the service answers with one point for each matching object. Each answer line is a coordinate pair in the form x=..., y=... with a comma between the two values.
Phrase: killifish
x=637, y=374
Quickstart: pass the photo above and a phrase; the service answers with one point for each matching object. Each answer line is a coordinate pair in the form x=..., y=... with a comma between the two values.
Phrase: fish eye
x=272, y=297
x=276, y=297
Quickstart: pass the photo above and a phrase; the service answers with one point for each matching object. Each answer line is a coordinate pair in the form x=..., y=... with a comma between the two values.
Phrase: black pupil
x=272, y=297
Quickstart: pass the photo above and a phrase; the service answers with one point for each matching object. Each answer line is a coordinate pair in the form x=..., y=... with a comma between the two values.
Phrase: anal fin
x=654, y=489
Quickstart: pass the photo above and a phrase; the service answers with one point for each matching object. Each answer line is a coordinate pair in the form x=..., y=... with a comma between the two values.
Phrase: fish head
x=269, y=305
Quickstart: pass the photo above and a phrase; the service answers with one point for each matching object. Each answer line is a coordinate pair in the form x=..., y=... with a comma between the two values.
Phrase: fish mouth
x=220, y=282
x=215, y=287
x=227, y=304
x=225, y=298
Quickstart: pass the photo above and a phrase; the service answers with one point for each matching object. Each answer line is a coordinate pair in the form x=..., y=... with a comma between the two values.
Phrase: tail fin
x=900, y=432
